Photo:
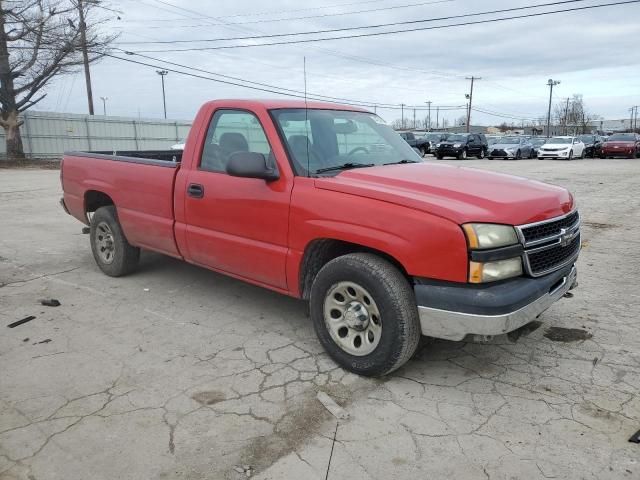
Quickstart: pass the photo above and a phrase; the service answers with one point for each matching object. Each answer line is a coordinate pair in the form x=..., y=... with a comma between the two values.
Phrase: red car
x=328, y=204
x=621, y=145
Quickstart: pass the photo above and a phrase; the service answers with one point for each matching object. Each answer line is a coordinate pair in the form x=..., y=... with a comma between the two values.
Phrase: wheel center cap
x=357, y=316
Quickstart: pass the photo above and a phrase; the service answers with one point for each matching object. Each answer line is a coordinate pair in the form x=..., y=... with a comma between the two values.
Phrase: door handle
x=195, y=190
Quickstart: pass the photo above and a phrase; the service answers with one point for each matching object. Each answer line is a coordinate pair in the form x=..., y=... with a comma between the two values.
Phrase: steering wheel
x=356, y=150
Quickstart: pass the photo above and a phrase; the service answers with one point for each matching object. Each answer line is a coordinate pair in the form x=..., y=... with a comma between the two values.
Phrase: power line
x=338, y=14
x=270, y=88
x=346, y=29
x=392, y=32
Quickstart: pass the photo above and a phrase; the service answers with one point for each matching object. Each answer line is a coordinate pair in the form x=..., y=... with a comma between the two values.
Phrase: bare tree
x=573, y=115
x=40, y=39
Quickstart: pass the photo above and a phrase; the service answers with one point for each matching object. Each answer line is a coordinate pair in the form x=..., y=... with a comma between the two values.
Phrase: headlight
x=437, y=145
x=488, y=235
x=457, y=145
x=494, y=271
x=509, y=150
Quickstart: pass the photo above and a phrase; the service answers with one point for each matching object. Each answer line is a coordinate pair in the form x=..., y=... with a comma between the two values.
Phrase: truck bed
x=140, y=183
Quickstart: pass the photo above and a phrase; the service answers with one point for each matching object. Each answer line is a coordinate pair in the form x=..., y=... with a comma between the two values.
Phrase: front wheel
x=481, y=154
x=111, y=250
x=439, y=157
x=462, y=155
x=364, y=313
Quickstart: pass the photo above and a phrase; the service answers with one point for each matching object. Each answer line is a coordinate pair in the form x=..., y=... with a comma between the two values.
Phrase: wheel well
x=319, y=252
x=94, y=199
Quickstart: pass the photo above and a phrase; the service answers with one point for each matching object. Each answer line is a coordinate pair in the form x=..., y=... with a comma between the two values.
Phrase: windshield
x=560, y=140
x=321, y=139
x=537, y=141
x=621, y=137
x=509, y=141
x=456, y=138
x=433, y=137
x=586, y=138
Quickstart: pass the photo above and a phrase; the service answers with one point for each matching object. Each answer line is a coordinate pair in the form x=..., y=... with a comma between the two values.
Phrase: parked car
x=382, y=245
x=592, y=145
x=512, y=147
x=536, y=143
x=621, y=145
x=434, y=138
x=462, y=146
x=178, y=146
x=421, y=143
x=562, y=147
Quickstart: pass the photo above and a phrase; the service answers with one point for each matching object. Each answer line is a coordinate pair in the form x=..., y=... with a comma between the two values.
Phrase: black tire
x=439, y=157
x=463, y=154
x=124, y=257
x=481, y=154
x=423, y=151
x=531, y=154
x=393, y=295
x=582, y=155
x=570, y=155
x=518, y=155
x=490, y=158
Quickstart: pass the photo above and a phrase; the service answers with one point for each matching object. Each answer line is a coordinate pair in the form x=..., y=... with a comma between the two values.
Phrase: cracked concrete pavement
x=176, y=372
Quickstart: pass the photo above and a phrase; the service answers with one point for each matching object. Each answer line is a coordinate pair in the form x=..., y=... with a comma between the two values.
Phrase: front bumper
x=617, y=152
x=557, y=154
x=454, y=311
x=448, y=151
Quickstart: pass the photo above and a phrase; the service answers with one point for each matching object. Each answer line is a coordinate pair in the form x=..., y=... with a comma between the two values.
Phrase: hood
x=457, y=193
x=504, y=146
x=620, y=143
x=556, y=145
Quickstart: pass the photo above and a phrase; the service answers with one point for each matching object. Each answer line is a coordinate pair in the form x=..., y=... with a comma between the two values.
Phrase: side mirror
x=251, y=165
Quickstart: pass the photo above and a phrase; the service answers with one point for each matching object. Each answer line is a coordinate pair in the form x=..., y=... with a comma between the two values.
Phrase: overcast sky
x=594, y=53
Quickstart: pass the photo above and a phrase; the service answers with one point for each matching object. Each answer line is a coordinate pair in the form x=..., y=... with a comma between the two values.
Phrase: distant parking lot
x=176, y=372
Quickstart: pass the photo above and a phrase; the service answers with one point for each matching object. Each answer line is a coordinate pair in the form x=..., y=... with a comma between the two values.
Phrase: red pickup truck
x=327, y=203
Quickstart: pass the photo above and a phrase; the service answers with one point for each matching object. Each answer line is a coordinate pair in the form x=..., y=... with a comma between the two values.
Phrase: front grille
x=549, y=229
x=498, y=153
x=544, y=261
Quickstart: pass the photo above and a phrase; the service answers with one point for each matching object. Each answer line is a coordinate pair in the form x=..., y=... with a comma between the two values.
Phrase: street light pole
x=429, y=102
x=162, y=74
x=104, y=105
x=552, y=83
x=402, y=114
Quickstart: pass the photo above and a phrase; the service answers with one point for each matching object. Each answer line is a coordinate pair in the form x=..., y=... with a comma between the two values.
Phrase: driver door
x=237, y=225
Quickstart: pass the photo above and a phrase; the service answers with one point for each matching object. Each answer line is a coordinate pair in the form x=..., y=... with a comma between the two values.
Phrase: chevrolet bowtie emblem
x=566, y=237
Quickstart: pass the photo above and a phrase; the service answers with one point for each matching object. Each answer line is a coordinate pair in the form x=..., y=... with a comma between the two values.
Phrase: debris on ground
x=244, y=470
x=146, y=289
x=47, y=340
x=635, y=438
x=50, y=302
x=20, y=322
x=330, y=404
x=559, y=334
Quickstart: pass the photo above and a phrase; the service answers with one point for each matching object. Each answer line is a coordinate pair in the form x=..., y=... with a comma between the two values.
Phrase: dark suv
x=462, y=145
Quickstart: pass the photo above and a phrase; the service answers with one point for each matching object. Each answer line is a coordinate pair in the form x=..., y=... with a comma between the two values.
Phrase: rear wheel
x=582, y=155
x=518, y=155
x=570, y=155
x=439, y=157
x=111, y=250
x=364, y=313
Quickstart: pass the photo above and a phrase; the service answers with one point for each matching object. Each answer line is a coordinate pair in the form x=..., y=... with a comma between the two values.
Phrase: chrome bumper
x=452, y=325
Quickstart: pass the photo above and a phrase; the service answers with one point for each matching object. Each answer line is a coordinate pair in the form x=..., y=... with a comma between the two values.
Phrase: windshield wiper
x=344, y=166
x=402, y=161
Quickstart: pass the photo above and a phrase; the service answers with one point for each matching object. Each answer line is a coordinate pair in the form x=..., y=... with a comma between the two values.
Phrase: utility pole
x=414, y=118
x=402, y=115
x=471, y=101
x=429, y=102
x=566, y=118
x=635, y=118
x=552, y=83
x=104, y=105
x=437, y=118
x=85, y=55
x=162, y=74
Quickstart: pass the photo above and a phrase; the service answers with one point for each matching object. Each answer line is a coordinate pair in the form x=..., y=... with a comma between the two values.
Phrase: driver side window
x=232, y=131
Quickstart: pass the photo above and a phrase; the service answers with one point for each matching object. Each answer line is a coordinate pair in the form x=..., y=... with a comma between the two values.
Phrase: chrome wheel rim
x=464, y=154
x=104, y=243
x=352, y=318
